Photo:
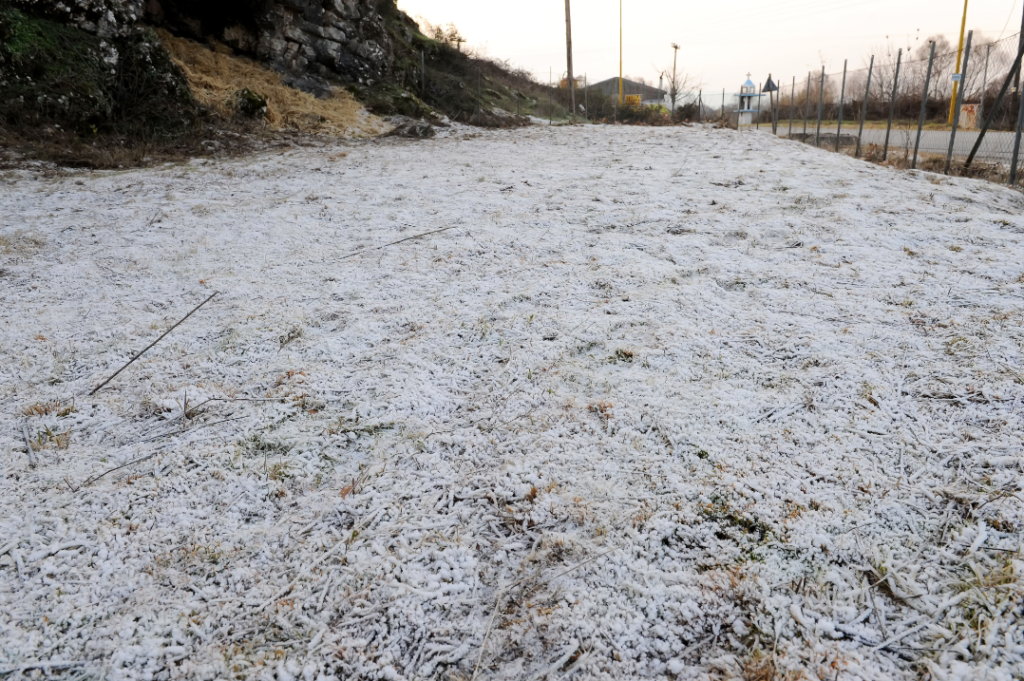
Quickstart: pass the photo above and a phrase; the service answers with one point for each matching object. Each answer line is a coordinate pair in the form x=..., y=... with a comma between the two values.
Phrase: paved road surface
x=997, y=146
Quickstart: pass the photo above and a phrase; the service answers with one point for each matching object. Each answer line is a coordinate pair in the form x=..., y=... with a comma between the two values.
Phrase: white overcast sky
x=720, y=41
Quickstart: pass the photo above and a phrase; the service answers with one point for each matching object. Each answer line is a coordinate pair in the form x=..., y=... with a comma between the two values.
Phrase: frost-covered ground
x=660, y=403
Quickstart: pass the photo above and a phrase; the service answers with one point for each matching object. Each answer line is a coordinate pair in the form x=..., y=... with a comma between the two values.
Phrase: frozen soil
x=658, y=403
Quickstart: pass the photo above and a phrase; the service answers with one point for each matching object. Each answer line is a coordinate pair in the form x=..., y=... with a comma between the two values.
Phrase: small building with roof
x=648, y=95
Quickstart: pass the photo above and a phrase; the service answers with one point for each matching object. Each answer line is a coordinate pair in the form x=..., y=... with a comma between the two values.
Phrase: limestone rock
x=411, y=129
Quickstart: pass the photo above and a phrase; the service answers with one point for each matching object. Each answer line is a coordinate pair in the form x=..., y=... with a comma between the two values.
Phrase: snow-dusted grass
x=663, y=403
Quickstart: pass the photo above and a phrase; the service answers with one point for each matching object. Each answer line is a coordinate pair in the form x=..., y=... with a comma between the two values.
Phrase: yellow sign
x=634, y=100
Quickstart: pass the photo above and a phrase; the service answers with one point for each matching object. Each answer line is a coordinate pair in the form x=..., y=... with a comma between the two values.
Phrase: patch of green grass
x=257, y=445
x=719, y=511
x=54, y=69
x=58, y=79
x=621, y=355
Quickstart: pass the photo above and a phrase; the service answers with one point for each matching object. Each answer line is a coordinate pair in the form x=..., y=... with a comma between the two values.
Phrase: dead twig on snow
x=45, y=666
x=194, y=310
x=408, y=238
x=148, y=456
x=504, y=592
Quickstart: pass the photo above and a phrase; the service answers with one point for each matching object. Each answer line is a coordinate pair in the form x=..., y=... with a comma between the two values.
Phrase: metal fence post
x=842, y=101
x=758, y=125
x=892, y=103
x=807, y=104
x=924, y=105
x=984, y=82
x=1016, y=139
x=792, y=98
x=423, y=74
x=821, y=103
x=959, y=101
x=1010, y=78
x=864, y=111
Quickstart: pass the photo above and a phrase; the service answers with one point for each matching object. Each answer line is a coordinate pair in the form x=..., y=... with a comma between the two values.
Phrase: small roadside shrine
x=748, y=106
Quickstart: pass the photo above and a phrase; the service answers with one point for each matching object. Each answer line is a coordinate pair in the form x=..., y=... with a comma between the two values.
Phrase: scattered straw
x=216, y=76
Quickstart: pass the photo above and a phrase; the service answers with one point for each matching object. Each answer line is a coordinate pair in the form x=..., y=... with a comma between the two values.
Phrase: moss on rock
x=59, y=75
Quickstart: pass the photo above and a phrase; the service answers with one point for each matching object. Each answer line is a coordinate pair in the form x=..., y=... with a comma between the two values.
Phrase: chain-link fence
x=909, y=109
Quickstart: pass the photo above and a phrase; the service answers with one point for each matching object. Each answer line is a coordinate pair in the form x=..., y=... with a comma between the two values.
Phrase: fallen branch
x=393, y=243
x=186, y=429
x=148, y=456
x=116, y=468
x=28, y=446
x=504, y=592
x=40, y=665
x=899, y=637
x=148, y=347
x=225, y=399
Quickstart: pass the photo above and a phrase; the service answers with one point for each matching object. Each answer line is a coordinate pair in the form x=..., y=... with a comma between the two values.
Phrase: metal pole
x=776, y=110
x=842, y=101
x=723, y=104
x=675, y=57
x=758, y=124
x=959, y=56
x=984, y=83
x=1010, y=79
x=1020, y=47
x=864, y=111
x=568, y=50
x=792, y=97
x=586, y=97
x=1016, y=139
x=807, y=104
x=551, y=98
x=821, y=103
x=620, y=52
x=892, y=103
x=959, y=101
x=924, y=105
x=1020, y=113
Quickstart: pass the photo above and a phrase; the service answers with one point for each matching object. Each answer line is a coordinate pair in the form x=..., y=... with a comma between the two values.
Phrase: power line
x=816, y=8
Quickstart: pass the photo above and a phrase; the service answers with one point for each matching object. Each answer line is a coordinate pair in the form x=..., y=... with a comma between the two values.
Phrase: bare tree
x=680, y=84
x=443, y=34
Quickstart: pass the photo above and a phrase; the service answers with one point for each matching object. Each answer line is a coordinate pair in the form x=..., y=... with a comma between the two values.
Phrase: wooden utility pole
x=620, y=52
x=675, y=57
x=959, y=58
x=568, y=50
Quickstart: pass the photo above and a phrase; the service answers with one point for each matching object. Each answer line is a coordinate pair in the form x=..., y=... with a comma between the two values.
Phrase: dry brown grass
x=45, y=408
x=759, y=666
x=216, y=76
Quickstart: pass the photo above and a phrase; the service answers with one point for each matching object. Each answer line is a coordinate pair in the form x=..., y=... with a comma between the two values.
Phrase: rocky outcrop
x=347, y=40
x=351, y=40
x=110, y=76
x=103, y=18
